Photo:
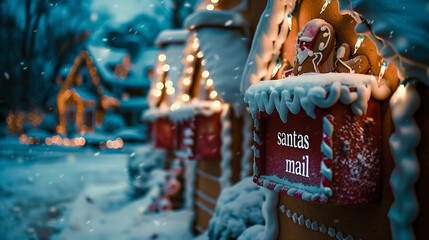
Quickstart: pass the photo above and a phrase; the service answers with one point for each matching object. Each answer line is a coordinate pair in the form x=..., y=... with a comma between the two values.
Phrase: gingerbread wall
x=207, y=185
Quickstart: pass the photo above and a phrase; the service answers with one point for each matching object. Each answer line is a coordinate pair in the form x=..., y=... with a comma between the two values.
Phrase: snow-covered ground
x=80, y=194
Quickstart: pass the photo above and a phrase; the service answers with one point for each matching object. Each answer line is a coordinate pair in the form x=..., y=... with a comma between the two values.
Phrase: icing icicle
x=311, y=90
x=269, y=210
x=190, y=171
x=225, y=178
x=404, y=103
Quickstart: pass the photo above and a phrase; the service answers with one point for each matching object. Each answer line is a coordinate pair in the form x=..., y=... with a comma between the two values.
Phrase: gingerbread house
x=82, y=99
x=212, y=126
x=318, y=84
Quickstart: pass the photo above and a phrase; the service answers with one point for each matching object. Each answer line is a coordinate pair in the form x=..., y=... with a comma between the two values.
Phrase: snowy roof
x=86, y=93
x=224, y=43
x=134, y=103
x=171, y=36
x=206, y=18
x=174, y=53
x=105, y=58
x=399, y=29
x=267, y=41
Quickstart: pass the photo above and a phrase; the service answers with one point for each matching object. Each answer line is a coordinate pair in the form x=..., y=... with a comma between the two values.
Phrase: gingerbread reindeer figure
x=314, y=52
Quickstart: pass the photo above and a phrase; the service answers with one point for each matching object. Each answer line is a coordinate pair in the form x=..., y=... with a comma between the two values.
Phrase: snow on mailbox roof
x=206, y=18
x=224, y=43
x=172, y=36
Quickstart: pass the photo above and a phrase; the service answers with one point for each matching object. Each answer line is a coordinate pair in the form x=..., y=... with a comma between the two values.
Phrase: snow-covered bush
x=141, y=163
x=237, y=208
x=113, y=122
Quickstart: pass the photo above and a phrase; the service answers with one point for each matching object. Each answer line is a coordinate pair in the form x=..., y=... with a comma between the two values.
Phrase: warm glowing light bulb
x=195, y=45
x=174, y=106
x=358, y=43
x=159, y=85
x=214, y=1
x=157, y=93
x=216, y=103
x=289, y=21
x=186, y=81
x=209, y=82
x=185, y=97
x=205, y=74
x=165, y=67
x=325, y=5
x=203, y=62
x=162, y=57
x=210, y=7
x=200, y=54
x=190, y=58
x=383, y=69
x=168, y=83
x=213, y=94
x=170, y=91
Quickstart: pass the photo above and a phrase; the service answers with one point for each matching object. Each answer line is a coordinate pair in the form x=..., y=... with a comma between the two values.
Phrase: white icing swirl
x=404, y=211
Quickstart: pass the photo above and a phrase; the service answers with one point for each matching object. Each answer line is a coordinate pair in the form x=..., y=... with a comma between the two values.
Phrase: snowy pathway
x=36, y=188
x=77, y=195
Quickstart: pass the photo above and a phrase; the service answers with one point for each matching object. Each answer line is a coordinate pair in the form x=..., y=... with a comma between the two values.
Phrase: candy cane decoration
x=326, y=164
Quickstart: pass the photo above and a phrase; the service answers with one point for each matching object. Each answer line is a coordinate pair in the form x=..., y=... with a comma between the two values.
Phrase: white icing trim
x=190, y=172
x=226, y=148
x=207, y=175
x=205, y=196
x=190, y=110
x=152, y=114
x=310, y=90
x=204, y=207
x=246, y=145
x=404, y=103
x=199, y=228
x=269, y=211
x=314, y=225
x=321, y=48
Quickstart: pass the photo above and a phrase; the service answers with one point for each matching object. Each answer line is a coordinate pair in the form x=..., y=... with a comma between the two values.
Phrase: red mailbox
x=164, y=133
x=208, y=137
x=334, y=157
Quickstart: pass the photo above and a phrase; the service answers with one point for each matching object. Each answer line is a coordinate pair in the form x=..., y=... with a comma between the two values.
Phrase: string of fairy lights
x=194, y=59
